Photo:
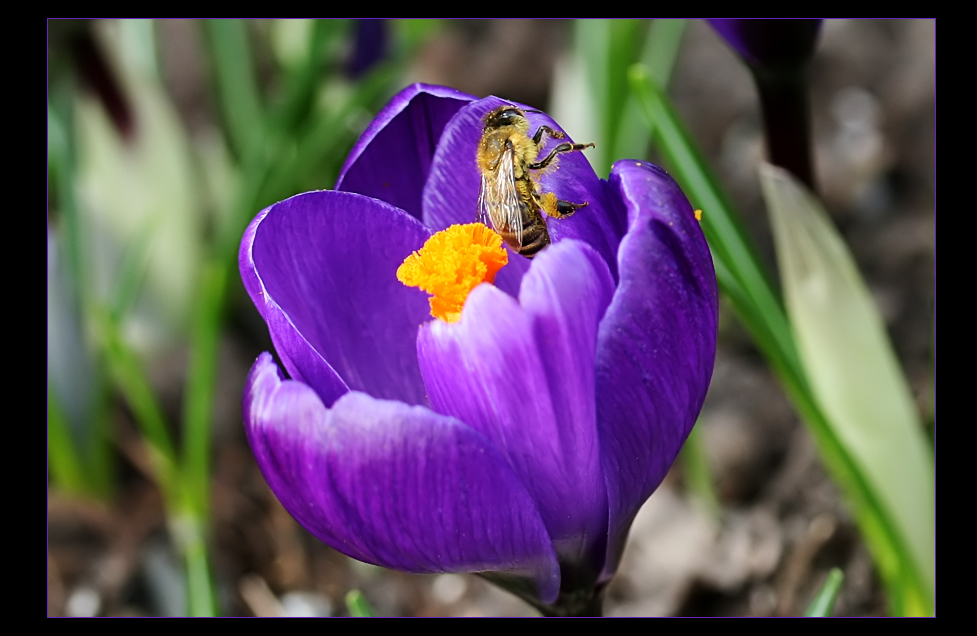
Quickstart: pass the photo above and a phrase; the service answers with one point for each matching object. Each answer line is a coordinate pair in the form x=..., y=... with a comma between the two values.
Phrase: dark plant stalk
x=98, y=76
x=778, y=53
x=576, y=599
x=593, y=607
x=575, y=607
x=786, y=120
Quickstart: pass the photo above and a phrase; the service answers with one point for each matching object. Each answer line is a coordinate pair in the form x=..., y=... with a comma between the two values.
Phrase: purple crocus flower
x=777, y=53
x=770, y=45
x=370, y=44
x=518, y=442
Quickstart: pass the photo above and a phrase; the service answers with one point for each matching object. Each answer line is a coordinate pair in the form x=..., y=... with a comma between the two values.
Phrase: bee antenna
x=532, y=111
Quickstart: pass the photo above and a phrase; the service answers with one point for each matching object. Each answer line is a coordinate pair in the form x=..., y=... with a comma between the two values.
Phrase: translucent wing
x=482, y=216
x=498, y=200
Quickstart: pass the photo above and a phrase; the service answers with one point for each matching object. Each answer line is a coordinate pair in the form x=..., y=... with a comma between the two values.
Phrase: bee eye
x=510, y=116
x=503, y=116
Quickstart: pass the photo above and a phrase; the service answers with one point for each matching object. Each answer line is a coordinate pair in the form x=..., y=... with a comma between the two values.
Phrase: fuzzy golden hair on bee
x=510, y=198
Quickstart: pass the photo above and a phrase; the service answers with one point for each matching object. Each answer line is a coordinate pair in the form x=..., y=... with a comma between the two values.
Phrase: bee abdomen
x=534, y=238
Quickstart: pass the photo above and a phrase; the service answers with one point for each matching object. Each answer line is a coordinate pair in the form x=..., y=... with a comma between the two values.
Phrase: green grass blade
x=61, y=168
x=824, y=601
x=661, y=49
x=358, y=606
x=303, y=78
x=738, y=269
x=141, y=201
x=695, y=470
x=592, y=43
x=267, y=177
x=624, y=41
x=856, y=378
x=63, y=460
x=315, y=157
x=198, y=403
x=660, y=52
x=607, y=48
x=139, y=41
x=87, y=464
x=606, y=111
x=324, y=144
x=133, y=270
x=190, y=535
x=411, y=34
x=129, y=377
x=745, y=283
x=237, y=88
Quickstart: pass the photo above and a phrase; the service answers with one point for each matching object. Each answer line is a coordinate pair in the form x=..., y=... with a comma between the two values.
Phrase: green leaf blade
x=824, y=601
x=358, y=606
x=739, y=271
x=236, y=82
x=857, y=381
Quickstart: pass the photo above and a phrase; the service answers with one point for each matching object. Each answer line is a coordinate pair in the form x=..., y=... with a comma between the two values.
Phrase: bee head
x=504, y=116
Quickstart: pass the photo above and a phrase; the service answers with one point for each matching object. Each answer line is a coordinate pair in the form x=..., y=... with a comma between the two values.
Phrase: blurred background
x=167, y=137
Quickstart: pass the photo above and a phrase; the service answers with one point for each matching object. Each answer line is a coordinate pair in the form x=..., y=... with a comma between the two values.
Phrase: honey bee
x=509, y=197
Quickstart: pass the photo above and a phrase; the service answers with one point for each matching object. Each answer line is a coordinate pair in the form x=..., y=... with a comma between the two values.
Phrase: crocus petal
x=657, y=343
x=394, y=485
x=371, y=43
x=321, y=267
x=524, y=376
x=451, y=194
x=301, y=359
x=392, y=157
x=770, y=44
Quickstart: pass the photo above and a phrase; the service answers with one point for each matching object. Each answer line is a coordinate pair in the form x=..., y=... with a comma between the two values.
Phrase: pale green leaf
x=141, y=191
x=855, y=377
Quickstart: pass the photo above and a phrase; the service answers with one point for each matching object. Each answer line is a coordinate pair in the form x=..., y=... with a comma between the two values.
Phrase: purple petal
x=392, y=157
x=300, y=357
x=371, y=44
x=524, y=376
x=451, y=194
x=321, y=268
x=770, y=44
x=394, y=485
x=657, y=343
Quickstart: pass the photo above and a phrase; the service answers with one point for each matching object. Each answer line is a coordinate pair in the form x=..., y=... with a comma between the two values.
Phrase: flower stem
x=198, y=405
x=189, y=533
x=786, y=120
x=571, y=606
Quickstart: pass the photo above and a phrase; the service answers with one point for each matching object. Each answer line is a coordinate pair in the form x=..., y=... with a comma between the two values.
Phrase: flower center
x=451, y=264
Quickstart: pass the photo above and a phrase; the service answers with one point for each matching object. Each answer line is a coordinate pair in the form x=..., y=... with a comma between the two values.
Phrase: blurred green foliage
x=150, y=218
x=847, y=386
x=145, y=220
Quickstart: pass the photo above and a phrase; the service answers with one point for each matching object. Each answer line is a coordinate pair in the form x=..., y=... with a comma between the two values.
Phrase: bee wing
x=483, y=216
x=498, y=199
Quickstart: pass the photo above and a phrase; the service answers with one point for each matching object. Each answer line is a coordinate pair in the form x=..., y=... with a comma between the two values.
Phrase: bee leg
x=565, y=208
x=557, y=208
x=564, y=147
x=555, y=134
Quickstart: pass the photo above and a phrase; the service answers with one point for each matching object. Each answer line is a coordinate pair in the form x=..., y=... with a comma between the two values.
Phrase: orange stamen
x=451, y=264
